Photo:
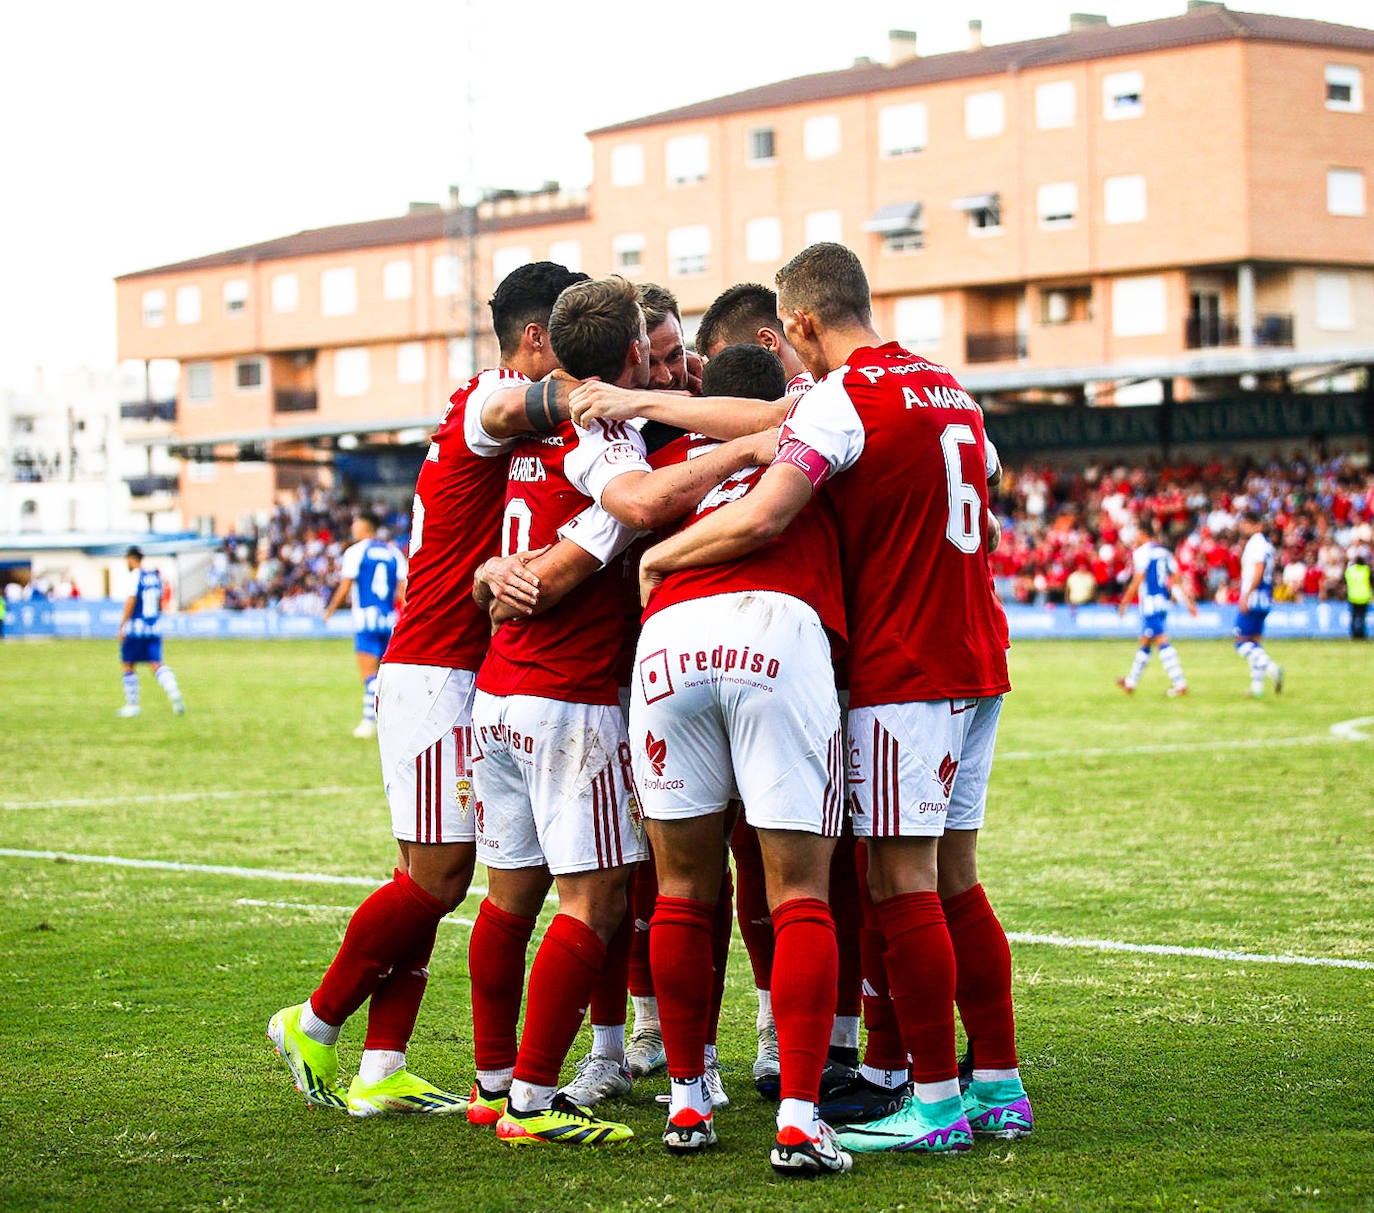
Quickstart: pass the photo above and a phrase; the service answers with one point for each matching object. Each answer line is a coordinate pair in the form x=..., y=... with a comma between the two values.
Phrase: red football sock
x=848, y=914
x=496, y=964
x=383, y=931
x=920, y=972
x=884, y=1049
x=804, y=975
x=680, y=951
x=611, y=984
x=982, y=988
x=751, y=902
x=643, y=894
x=568, y=960
x=721, y=928
x=395, y=1004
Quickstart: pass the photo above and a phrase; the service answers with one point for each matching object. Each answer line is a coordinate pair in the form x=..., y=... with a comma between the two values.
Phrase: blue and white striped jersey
x=145, y=588
x=1155, y=564
x=376, y=569
x=1258, y=551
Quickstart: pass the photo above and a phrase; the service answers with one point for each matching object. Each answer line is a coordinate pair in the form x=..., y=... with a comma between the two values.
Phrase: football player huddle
x=662, y=607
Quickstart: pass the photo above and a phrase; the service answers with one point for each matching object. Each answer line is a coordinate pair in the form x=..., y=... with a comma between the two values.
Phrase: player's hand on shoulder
x=593, y=400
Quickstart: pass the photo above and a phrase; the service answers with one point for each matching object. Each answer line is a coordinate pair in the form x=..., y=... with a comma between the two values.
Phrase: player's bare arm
x=732, y=531
x=722, y=417
x=1129, y=593
x=509, y=580
x=340, y=595
x=558, y=569
x=533, y=408
x=648, y=500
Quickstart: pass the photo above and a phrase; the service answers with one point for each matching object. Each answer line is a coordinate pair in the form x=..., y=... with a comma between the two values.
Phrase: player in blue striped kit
x=140, y=635
x=1257, y=561
x=1154, y=584
x=373, y=575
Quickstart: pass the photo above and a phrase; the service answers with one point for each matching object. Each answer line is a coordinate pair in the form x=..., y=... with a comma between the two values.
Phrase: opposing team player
x=373, y=579
x=425, y=690
x=140, y=635
x=927, y=672
x=1256, y=599
x=552, y=764
x=1154, y=585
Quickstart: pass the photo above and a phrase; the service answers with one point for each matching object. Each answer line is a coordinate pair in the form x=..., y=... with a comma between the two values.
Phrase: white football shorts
x=918, y=769
x=424, y=733
x=554, y=785
x=733, y=697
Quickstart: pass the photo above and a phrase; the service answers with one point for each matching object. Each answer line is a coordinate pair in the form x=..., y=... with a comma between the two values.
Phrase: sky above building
x=146, y=132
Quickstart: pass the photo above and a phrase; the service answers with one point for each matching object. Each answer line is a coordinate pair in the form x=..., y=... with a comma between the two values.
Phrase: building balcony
x=1205, y=332
x=994, y=347
x=148, y=410
x=141, y=487
x=294, y=401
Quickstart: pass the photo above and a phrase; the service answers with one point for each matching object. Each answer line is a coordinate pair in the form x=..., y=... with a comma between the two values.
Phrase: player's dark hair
x=371, y=518
x=1254, y=518
x=828, y=281
x=593, y=325
x=747, y=371
x=736, y=315
x=526, y=296
x=658, y=303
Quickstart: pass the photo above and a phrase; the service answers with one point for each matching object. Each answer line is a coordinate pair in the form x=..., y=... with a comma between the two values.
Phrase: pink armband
x=806, y=460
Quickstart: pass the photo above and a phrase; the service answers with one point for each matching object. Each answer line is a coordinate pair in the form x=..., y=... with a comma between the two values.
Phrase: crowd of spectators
x=1068, y=535
x=290, y=560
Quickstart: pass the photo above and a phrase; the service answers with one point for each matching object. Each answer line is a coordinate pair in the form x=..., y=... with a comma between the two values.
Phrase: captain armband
x=810, y=462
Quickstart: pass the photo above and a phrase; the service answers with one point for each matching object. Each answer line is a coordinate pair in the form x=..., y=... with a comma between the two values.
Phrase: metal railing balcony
x=285, y=400
x=151, y=486
x=1205, y=332
x=994, y=347
x=148, y=410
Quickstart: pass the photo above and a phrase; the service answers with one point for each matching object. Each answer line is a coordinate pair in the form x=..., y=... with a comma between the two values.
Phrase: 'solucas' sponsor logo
x=745, y=660
x=527, y=468
x=948, y=769
x=656, y=751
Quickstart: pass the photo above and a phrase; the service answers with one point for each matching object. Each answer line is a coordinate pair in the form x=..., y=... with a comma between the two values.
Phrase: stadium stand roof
x=1211, y=23
x=308, y=433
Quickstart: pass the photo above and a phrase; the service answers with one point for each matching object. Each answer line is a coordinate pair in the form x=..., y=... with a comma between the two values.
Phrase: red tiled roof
x=427, y=224
x=1197, y=27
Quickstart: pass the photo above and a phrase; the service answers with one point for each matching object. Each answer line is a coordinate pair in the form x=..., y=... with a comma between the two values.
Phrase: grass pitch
x=133, y=1000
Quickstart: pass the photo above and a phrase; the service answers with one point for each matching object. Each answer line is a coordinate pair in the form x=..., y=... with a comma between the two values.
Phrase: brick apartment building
x=1175, y=209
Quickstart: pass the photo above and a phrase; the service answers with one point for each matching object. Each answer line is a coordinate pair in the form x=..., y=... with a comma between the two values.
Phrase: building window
x=627, y=251
x=902, y=129
x=235, y=296
x=410, y=362
x=1345, y=191
x=352, y=371
x=824, y=227
x=248, y=374
x=984, y=115
x=200, y=381
x=763, y=240
x=984, y=212
x=627, y=164
x=689, y=250
x=202, y=471
x=1066, y=305
x=460, y=365
x=821, y=137
x=567, y=253
x=902, y=226
x=1335, y=304
x=687, y=158
x=1123, y=95
x=1344, y=89
x=398, y=280
x=919, y=322
x=154, y=308
x=339, y=291
x=760, y=145
x=1057, y=204
x=447, y=275
x=1056, y=105
x=1140, y=306
x=1123, y=199
x=188, y=304
x=286, y=293
x=504, y=260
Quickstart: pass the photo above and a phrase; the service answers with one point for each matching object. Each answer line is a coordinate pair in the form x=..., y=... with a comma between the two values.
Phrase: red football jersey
x=455, y=525
x=923, y=623
x=569, y=652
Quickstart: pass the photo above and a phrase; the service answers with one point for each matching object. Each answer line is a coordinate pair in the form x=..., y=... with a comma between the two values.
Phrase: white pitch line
x=300, y=905
x=106, y=802
x=166, y=865
x=1159, y=949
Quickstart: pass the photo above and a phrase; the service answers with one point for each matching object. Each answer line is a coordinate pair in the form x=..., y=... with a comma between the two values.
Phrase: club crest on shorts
x=462, y=793
x=655, y=679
